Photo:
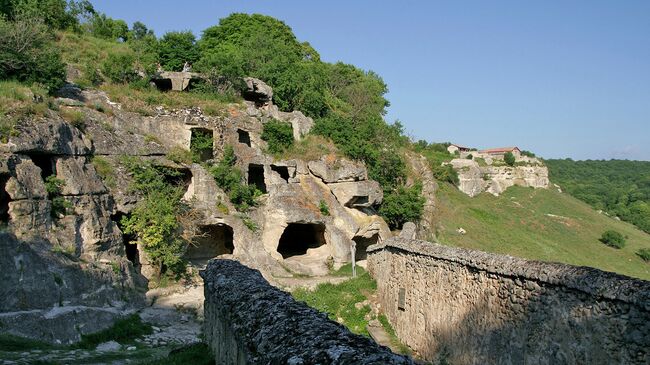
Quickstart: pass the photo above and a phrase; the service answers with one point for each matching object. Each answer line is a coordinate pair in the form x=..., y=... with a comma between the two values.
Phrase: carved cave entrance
x=202, y=144
x=4, y=200
x=129, y=240
x=283, y=171
x=213, y=240
x=46, y=163
x=244, y=137
x=256, y=177
x=362, y=245
x=297, y=238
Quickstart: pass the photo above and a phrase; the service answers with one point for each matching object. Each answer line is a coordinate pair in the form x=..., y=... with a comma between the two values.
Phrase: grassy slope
x=517, y=224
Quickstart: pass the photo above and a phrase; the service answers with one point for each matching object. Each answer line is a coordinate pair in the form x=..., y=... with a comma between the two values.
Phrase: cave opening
x=163, y=84
x=212, y=241
x=244, y=137
x=297, y=238
x=129, y=240
x=44, y=162
x=202, y=144
x=283, y=171
x=4, y=200
x=362, y=244
x=256, y=177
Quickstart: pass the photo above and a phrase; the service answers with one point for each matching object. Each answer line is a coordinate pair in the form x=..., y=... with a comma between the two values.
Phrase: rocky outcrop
x=470, y=307
x=257, y=91
x=247, y=321
x=475, y=179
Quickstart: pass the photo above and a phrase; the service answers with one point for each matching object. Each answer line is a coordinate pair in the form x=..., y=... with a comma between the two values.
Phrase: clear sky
x=559, y=78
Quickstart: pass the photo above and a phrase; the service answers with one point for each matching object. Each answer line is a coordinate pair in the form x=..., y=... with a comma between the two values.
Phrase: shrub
x=201, y=145
x=470, y=157
x=527, y=153
x=278, y=135
x=644, y=254
x=324, y=209
x=405, y=204
x=229, y=178
x=53, y=187
x=102, y=26
x=28, y=53
x=613, y=239
x=179, y=154
x=509, y=159
x=118, y=67
x=445, y=173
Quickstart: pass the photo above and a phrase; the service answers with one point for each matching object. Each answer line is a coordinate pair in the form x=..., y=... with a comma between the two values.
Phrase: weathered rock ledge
x=586, y=279
x=247, y=321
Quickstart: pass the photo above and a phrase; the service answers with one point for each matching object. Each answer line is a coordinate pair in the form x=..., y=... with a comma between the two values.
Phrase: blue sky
x=559, y=78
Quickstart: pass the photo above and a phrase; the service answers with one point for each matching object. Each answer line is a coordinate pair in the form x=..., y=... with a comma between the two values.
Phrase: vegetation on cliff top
x=538, y=224
x=619, y=187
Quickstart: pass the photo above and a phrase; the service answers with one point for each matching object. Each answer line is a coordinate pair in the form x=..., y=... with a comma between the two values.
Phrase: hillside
x=538, y=224
x=619, y=187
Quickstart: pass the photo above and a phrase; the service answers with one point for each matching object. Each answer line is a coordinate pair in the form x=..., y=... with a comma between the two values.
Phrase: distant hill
x=619, y=187
x=540, y=224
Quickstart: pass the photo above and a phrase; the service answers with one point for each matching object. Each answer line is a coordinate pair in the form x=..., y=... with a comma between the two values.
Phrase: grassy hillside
x=539, y=224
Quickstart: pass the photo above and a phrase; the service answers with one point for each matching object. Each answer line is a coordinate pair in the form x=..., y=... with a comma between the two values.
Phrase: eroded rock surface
x=475, y=179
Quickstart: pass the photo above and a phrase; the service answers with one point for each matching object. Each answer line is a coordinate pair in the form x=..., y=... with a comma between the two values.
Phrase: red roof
x=500, y=150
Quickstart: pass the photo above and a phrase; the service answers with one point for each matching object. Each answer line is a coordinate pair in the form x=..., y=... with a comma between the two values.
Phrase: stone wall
x=471, y=307
x=247, y=321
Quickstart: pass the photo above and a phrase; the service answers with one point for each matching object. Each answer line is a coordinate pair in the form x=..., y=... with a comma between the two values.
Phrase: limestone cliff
x=475, y=179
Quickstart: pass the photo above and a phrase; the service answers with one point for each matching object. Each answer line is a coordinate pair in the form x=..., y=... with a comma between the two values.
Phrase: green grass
x=123, y=331
x=538, y=224
x=15, y=343
x=338, y=300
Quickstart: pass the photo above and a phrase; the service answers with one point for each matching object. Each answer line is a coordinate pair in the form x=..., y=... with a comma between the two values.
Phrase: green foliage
x=28, y=53
x=176, y=48
x=405, y=204
x=155, y=219
x=445, y=173
x=201, y=145
x=619, y=187
x=613, y=239
x=15, y=343
x=124, y=331
x=324, y=209
x=60, y=206
x=179, y=154
x=509, y=159
x=470, y=157
x=644, y=254
x=230, y=179
x=119, y=67
x=105, y=170
x=102, y=26
x=339, y=300
x=527, y=153
x=278, y=135
x=248, y=222
x=59, y=14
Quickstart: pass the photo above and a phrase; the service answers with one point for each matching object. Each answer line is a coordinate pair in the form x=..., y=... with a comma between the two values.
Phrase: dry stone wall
x=470, y=307
x=247, y=321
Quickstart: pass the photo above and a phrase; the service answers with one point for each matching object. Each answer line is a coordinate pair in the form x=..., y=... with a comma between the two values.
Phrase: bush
x=179, y=154
x=509, y=159
x=405, y=204
x=324, y=209
x=201, y=145
x=119, y=68
x=527, y=154
x=53, y=187
x=470, y=157
x=644, y=254
x=613, y=239
x=445, y=173
x=278, y=135
x=102, y=26
x=229, y=178
x=28, y=53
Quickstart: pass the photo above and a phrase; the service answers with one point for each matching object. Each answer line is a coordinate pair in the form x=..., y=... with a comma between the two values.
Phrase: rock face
x=470, y=307
x=257, y=91
x=475, y=179
x=247, y=321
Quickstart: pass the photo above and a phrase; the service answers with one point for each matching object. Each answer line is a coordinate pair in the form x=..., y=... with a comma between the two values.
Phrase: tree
x=140, y=31
x=613, y=239
x=102, y=26
x=58, y=14
x=509, y=159
x=403, y=205
x=28, y=53
x=176, y=48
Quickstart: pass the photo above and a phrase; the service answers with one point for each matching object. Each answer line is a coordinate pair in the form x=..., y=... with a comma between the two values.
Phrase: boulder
x=300, y=123
x=358, y=194
x=409, y=231
x=335, y=170
x=257, y=91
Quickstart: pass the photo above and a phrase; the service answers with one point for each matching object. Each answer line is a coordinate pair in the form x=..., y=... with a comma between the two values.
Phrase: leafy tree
x=140, y=31
x=176, y=48
x=613, y=239
x=102, y=26
x=405, y=204
x=58, y=14
x=509, y=159
x=28, y=53
x=527, y=153
x=278, y=135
